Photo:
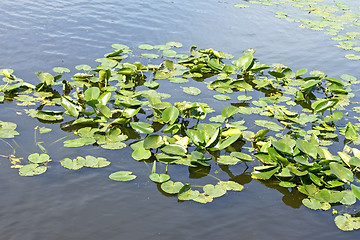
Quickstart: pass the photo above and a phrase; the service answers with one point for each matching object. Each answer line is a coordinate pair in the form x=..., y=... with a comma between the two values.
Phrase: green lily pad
x=244, y=98
x=44, y=130
x=191, y=90
x=214, y=191
x=312, y=203
x=352, y=56
x=159, y=178
x=71, y=164
x=142, y=127
x=341, y=172
x=203, y=198
x=93, y=162
x=241, y=5
x=188, y=195
x=229, y=111
x=231, y=185
x=79, y=142
x=7, y=130
x=153, y=141
x=269, y=125
x=61, y=70
x=282, y=147
x=39, y=158
x=151, y=84
x=356, y=191
x=174, y=149
x=33, y=169
x=171, y=187
x=149, y=55
x=221, y=97
x=228, y=160
x=141, y=154
x=347, y=222
x=170, y=115
x=83, y=67
x=122, y=176
x=146, y=47
x=169, y=53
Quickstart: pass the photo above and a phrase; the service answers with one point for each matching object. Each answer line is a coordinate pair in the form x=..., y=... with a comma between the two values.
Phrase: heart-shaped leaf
x=159, y=178
x=122, y=176
x=39, y=158
x=214, y=191
x=171, y=187
x=32, y=170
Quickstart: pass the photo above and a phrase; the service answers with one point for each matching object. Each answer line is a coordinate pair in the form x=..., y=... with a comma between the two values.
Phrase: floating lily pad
x=241, y=5
x=214, y=191
x=188, y=195
x=270, y=125
x=93, y=162
x=222, y=97
x=344, y=174
x=228, y=160
x=347, y=222
x=149, y=55
x=72, y=164
x=122, y=176
x=191, y=90
x=33, y=169
x=142, y=127
x=146, y=46
x=141, y=154
x=159, y=178
x=203, y=198
x=171, y=187
x=352, y=56
x=39, y=158
x=61, y=70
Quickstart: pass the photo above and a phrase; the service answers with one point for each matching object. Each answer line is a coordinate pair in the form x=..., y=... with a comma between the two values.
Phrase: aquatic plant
x=279, y=120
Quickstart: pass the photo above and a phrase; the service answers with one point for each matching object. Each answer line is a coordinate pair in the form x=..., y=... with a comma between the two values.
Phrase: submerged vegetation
x=335, y=18
x=280, y=120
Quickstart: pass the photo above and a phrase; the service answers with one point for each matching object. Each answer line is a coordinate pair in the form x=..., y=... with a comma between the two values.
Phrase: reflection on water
x=39, y=35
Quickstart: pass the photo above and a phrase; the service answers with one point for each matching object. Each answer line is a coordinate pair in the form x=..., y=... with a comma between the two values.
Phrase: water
x=84, y=204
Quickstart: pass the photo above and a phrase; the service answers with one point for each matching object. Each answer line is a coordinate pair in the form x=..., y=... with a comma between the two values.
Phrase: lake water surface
x=85, y=204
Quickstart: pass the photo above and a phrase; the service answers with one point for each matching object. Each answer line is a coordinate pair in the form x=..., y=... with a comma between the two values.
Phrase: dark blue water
x=85, y=204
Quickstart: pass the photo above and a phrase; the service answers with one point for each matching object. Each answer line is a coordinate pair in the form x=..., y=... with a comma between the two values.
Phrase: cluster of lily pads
x=336, y=19
x=280, y=120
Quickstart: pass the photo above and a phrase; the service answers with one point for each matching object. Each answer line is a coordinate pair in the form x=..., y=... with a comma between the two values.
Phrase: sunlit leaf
x=39, y=158
x=191, y=90
x=270, y=125
x=142, y=127
x=32, y=170
x=228, y=160
x=61, y=70
x=341, y=172
x=171, y=187
x=159, y=178
x=122, y=176
x=174, y=149
x=170, y=115
x=153, y=141
x=214, y=191
x=141, y=154
x=347, y=223
x=356, y=191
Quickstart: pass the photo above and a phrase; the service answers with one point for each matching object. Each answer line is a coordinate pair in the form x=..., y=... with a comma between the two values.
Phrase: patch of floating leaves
x=295, y=115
